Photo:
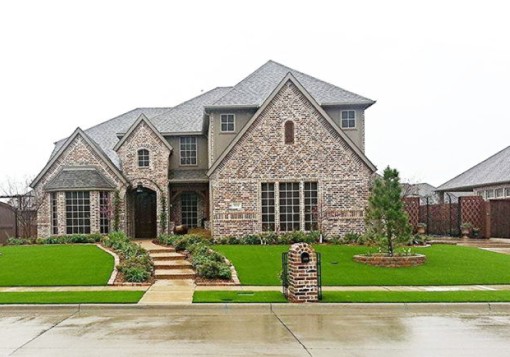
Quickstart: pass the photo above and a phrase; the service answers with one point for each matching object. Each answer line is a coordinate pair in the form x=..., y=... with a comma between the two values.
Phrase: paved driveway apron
x=258, y=330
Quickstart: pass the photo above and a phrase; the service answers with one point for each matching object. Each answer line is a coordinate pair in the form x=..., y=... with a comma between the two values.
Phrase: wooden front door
x=500, y=218
x=145, y=214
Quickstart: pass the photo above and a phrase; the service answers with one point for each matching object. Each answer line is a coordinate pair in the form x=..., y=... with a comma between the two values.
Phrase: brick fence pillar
x=302, y=274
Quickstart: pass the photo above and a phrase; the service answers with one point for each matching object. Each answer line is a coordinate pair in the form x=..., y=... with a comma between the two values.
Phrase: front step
x=174, y=274
x=161, y=250
x=172, y=264
x=167, y=256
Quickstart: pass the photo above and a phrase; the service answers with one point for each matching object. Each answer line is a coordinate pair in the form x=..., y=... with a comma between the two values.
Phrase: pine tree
x=387, y=222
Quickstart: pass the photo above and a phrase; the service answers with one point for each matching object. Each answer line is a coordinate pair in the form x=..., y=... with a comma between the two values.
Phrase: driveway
x=258, y=330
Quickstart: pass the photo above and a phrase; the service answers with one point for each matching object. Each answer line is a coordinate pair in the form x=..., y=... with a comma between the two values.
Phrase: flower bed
x=398, y=261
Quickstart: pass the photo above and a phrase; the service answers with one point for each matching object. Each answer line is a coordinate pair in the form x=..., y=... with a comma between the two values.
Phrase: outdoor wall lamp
x=139, y=188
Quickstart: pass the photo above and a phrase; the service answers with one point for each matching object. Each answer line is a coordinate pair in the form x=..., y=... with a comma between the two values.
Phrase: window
x=54, y=213
x=143, y=158
x=311, y=213
x=348, y=119
x=499, y=192
x=289, y=206
x=481, y=194
x=289, y=132
x=189, y=209
x=268, y=207
x=188, y=150
x=104, y=212
x=227, y=123
x=489, y=194
x=507, y=192
x=77, y=212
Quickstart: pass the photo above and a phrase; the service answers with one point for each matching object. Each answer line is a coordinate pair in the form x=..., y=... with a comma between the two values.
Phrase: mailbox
x=305, y=257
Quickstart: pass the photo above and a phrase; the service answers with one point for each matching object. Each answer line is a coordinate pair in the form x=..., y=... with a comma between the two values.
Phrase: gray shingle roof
x=79, y=178
x=254, y=89
x=494, y=170
x=188, y=116
x=183, y=176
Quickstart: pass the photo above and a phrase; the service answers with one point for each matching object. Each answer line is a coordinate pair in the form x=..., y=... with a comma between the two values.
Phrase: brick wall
x=318, y=154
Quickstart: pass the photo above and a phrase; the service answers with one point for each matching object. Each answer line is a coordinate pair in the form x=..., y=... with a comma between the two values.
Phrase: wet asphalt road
x=257, y=330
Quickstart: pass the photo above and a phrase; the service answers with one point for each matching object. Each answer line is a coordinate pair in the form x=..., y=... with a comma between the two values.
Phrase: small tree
x=387, y=222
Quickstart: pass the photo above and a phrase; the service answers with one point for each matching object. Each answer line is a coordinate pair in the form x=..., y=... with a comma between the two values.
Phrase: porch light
x=139, y=188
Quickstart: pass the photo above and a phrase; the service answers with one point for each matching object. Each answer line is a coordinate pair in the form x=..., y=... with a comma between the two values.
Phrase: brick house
x=279, y=151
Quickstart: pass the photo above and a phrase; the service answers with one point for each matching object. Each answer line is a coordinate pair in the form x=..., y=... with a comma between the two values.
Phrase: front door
x=189, y=209
x=145, y=214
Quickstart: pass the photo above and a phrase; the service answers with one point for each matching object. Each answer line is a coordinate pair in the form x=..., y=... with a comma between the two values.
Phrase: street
x=257, y=330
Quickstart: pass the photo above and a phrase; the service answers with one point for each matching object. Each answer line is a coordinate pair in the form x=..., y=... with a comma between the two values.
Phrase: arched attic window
x=143, y=158
x=289, y=132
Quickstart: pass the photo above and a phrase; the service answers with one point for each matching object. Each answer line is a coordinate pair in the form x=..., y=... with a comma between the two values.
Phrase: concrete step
x=167, y=256
x=160, y=249
x=174, y=274
x=172, y=264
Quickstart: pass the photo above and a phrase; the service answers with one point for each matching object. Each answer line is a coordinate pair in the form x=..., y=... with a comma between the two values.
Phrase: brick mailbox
x=302, y=273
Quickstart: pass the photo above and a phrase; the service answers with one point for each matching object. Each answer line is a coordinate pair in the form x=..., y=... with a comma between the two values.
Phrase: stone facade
x=318, y=154
x=78, y=153
x=153, y=177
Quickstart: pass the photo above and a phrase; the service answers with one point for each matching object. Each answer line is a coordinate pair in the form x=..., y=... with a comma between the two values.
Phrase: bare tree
x=24, y=203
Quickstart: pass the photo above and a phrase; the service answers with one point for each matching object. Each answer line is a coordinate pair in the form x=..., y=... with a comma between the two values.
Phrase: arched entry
x=145, y=213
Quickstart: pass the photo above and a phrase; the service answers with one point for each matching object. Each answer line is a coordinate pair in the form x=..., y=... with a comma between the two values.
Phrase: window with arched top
x=289, y=132
x=143, y=158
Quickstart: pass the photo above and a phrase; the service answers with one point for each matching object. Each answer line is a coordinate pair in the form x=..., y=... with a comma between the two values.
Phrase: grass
x=71, y=297
x=357, y=296
x=446, y=265
x=238, y=296
x=54, y=265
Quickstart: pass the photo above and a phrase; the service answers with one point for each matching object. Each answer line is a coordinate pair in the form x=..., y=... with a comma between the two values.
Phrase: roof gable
x=256, y=88
x=79, y=178
x=141, y=118
x=67, y=143
x=291, y=78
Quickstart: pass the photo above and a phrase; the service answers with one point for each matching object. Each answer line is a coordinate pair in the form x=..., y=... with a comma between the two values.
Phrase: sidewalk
x=11, y=289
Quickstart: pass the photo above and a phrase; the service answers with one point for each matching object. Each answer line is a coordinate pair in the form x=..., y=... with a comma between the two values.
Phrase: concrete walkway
x=169, y=292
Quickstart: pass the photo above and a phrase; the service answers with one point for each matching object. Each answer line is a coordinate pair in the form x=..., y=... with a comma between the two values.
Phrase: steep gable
x=262, y=137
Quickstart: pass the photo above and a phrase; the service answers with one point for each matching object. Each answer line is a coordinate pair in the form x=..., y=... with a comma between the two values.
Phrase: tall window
x=499, y=192
x=189, y=209
x=289, y=132
x=311, y=213
x=77, y=212
x=143, y=158
x=348, y=119
x=227, y=123
x=268, y=207
x=188, y=150
x=289, y=206
x=54, y=213
x=104, y=212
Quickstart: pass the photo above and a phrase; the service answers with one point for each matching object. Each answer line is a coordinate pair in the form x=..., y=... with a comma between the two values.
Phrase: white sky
x=439, y=70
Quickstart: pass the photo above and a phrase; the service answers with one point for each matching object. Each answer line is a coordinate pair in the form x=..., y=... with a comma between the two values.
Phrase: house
x=489, y=179
x=428, y=194
x=279, y=151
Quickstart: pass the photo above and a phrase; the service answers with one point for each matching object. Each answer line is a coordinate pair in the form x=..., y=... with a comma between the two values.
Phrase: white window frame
x=491, y=194
x=507, y=191
x=502, y=192
x=185, y=150
x=145, y=159
x=233, y=122
x=342, y=120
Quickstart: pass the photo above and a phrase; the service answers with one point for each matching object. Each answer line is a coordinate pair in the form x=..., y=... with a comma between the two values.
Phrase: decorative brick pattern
x=391, y=262
x=302, y=276
x=318, y=154
x=155, y=176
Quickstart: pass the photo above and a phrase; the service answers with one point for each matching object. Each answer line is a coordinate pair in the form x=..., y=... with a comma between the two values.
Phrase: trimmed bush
x=136, y=274
x=17, y=241
x=187, y=240
x=271, y=238
x=168, y=239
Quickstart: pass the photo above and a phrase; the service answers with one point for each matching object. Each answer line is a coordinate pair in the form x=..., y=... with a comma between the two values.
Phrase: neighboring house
x=489, y=179
x=279, y=151
x=428, y=194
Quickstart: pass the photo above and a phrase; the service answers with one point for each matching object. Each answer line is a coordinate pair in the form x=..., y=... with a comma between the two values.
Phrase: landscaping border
x=382, y=260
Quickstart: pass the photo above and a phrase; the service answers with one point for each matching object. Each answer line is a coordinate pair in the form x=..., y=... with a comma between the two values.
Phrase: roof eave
x=471, y=187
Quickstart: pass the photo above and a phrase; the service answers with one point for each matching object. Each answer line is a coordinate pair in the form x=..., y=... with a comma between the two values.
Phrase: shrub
x=353, y=238
x=214, y=270
x=186, y=240
x=168, y=239
x=251, y=239
x=17, y=241
x=136, y=274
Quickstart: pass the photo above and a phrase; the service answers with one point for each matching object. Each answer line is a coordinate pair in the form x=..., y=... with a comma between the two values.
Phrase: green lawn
x=446, y=265
x=356, y=296
x=238, y=296
x=72, y=297
x=54, y=265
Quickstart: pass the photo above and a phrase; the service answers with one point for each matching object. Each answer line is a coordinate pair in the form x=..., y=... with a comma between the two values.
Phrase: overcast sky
x=440, y=71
